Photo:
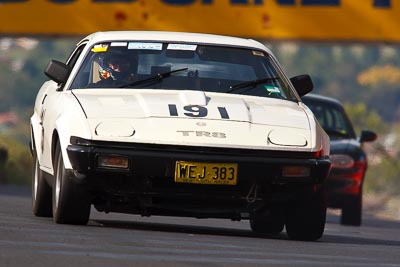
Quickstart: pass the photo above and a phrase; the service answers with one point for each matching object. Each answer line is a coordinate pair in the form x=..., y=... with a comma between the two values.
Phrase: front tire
x=352, y=211
x=269, y=222
x=71, y=202
x=306, y=217
x=41, y=191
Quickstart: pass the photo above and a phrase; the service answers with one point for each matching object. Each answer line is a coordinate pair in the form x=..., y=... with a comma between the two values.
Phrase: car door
x=50, y=108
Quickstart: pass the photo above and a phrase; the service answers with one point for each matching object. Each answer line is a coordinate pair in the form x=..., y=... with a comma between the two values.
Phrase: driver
x=116, y=69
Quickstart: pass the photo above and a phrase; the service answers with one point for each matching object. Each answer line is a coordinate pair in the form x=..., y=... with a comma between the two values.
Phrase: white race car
x=180, y=124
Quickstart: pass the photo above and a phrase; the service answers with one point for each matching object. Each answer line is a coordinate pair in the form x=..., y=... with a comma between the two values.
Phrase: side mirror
x=367, y=136
x=57, y=71
x=303, y=84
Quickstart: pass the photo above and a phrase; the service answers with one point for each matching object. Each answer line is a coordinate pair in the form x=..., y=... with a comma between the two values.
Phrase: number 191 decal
x=196, y=111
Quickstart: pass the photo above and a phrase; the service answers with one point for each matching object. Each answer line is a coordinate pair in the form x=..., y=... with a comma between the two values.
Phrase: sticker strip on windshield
x=145, y=46
x=186, y=47
x=100, y=48
x=119, y=43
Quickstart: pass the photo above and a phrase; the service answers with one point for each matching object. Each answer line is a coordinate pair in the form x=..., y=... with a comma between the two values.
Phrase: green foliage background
x=366, y=77
x=18, y=166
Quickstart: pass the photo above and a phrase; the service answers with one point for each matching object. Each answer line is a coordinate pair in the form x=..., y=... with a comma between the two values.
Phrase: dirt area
x=383, y=206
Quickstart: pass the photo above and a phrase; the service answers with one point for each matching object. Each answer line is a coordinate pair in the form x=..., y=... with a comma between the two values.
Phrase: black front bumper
x=159, y=160
x=149, y=181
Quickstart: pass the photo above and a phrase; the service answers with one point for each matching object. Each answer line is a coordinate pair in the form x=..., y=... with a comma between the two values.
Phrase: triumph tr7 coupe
x=178, y=124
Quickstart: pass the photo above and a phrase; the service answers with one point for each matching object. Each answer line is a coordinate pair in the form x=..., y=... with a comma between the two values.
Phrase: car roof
x=199, y=38
x=321, y=98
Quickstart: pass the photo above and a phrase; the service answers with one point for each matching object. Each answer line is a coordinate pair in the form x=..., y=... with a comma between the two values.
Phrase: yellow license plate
x=206, y=173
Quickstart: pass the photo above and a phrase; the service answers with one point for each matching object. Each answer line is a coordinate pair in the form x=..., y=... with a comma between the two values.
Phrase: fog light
x=112, y=161
x=296, y=171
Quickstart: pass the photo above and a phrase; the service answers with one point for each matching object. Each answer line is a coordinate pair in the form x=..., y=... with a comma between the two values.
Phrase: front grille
x=223, y=151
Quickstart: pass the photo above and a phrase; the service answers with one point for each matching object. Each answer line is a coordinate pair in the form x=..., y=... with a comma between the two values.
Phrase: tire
x=267, y=223
x=305, y=218
x=41, y=192
x=71, y=202
x=352, y=211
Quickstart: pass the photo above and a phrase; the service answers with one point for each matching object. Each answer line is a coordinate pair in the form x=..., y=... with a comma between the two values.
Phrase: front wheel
x=71, y=202
x=352, y=211
x=41, y=191
x=268, y=222
x=305, y=219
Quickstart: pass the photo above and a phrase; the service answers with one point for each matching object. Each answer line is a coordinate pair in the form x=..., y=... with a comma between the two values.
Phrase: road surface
x=130, y=240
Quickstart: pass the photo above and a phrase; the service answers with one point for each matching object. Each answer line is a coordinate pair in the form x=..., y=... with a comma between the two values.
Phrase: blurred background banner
x=343, y=20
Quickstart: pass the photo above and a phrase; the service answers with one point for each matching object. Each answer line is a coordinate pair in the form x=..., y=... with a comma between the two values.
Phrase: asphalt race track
x=127, y=240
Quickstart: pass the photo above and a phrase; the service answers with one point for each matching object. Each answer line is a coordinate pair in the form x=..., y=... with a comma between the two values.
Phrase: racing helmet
x=116, y=66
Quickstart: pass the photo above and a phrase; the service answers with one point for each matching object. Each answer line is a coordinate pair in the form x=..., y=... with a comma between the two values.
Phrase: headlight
x=114, y=129
x=342, y=161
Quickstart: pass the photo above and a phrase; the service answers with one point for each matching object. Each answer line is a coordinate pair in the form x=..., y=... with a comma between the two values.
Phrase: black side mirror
x=303, y=84
x=367, y=136
x=57, y=71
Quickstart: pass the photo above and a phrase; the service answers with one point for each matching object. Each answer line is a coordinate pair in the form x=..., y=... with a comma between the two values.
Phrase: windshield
x=332, y=118
x=171, y=66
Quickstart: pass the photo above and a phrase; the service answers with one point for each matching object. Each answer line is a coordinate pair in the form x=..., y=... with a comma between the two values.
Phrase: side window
x=73, y=58
x=75, y=55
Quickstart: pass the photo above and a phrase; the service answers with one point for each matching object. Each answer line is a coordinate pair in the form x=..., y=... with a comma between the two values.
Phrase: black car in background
x=349, y=161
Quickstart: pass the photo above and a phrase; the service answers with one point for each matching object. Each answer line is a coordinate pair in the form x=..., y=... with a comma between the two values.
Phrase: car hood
x=345, y=146
x=185, y=116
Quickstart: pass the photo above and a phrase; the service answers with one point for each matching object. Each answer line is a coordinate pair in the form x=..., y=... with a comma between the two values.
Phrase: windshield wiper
x=251, y=83
x=157, y=77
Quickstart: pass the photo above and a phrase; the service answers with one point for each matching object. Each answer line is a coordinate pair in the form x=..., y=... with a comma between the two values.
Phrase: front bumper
x=343, y=185
x=159, y=160
x=148, y=182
